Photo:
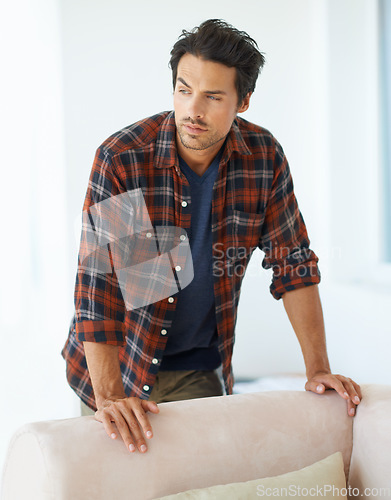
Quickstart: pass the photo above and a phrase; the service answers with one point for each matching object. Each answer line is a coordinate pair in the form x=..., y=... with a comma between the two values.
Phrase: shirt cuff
x=304, y=274
x=105, y=331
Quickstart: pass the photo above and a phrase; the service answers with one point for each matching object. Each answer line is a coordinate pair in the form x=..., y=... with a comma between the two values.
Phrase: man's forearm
x=305, y=313
x=104, y=369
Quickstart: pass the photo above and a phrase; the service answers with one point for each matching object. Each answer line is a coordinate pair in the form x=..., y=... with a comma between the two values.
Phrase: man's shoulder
x=255, y=134
x=137, y=135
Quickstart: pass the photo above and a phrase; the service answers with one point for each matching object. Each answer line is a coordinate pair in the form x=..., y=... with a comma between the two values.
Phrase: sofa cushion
x=325, y=478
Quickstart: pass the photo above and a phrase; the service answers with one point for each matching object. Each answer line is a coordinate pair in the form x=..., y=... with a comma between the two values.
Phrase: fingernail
x=149, y=434
x=319, y=388
x=113, y=436
x=143, y=448
x=131, y=447
x=351, y=411
x=346, y=394
x=356, y=399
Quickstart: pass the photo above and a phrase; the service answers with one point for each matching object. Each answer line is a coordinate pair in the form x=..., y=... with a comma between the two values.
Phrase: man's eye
x=183, y=91
x=214, y=98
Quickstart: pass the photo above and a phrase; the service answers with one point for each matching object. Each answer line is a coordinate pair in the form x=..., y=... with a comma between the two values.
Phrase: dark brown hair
x=216, y=40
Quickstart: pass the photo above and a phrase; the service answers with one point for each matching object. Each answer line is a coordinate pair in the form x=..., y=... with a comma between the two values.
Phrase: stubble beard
x=199, y=144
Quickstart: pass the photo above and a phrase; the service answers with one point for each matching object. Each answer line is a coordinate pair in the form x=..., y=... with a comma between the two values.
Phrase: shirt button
x=171, y=300
x=146, y=387
x=148, y=235
x=178, y=268
x=182, y=237
x=164, y=332
x=184, y=203
x=155, y=361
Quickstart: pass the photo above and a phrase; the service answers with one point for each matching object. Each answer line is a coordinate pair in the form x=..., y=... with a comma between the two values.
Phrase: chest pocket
x=245, y=232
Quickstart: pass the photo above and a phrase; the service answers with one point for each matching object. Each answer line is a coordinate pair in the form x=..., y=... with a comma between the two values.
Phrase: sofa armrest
x=371, y=455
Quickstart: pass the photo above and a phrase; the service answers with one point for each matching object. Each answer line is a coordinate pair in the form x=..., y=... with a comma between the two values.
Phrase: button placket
x=184, y=198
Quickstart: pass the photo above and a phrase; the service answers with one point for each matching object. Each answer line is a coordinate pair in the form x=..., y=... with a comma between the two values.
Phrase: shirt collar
x=166, y=151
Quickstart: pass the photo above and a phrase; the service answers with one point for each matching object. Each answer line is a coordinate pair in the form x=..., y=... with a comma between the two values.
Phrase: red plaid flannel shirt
x=253, y=206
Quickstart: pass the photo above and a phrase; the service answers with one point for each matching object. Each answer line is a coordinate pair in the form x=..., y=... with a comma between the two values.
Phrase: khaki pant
x=177, y=385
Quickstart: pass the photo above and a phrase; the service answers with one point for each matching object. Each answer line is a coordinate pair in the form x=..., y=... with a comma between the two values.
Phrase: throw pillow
x=325, y=479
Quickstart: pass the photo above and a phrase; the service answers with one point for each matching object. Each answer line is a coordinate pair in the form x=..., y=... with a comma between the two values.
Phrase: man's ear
x=245, y=103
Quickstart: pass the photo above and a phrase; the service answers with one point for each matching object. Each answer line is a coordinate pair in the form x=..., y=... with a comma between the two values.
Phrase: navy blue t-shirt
x=192, y=338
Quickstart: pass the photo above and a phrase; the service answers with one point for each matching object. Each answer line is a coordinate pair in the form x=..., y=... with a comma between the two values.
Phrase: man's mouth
x=193, y=129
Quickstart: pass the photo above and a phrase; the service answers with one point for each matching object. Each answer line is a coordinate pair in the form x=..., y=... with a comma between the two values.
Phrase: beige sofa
x=203, y=442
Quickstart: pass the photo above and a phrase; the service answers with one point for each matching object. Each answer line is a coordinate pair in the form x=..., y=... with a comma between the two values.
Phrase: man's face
x=205, y=103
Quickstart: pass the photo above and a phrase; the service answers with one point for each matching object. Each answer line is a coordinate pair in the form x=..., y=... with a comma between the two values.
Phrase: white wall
x=35, y=283
x=339, y=189
x=317, y=94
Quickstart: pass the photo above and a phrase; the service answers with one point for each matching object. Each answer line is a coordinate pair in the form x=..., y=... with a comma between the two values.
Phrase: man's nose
x=196, y=108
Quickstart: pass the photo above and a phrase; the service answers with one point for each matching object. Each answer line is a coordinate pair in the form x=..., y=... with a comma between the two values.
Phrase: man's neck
x=198, y=160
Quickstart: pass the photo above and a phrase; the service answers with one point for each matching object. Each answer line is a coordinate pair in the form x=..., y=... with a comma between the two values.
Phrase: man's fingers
x=129, y=430
x=125, y=424
x=148, y=405
x=107, y=424
x=345, y=387
x=351, y=408
x=340, y=387
x=318, y=386
x=144, y=422
x=352, y=392
x=320, y=383
x=133, y=425
x=355, y=397
x=127, y=417
x=358, y=389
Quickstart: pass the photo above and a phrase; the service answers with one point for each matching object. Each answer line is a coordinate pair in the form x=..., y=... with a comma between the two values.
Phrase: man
x=227, y=184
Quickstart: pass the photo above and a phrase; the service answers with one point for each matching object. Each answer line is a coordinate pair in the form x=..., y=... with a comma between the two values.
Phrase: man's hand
x=117, y=412
x=129, y=416
x=346, y=388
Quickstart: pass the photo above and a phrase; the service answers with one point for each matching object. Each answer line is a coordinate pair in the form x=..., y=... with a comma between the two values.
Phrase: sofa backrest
x=197, y=443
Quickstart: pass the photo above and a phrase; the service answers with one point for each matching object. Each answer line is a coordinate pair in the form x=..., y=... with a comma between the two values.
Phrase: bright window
x=385, y=100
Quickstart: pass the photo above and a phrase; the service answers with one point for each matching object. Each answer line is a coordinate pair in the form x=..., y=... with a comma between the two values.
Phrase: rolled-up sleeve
x=284, y=238
x=99, y=305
